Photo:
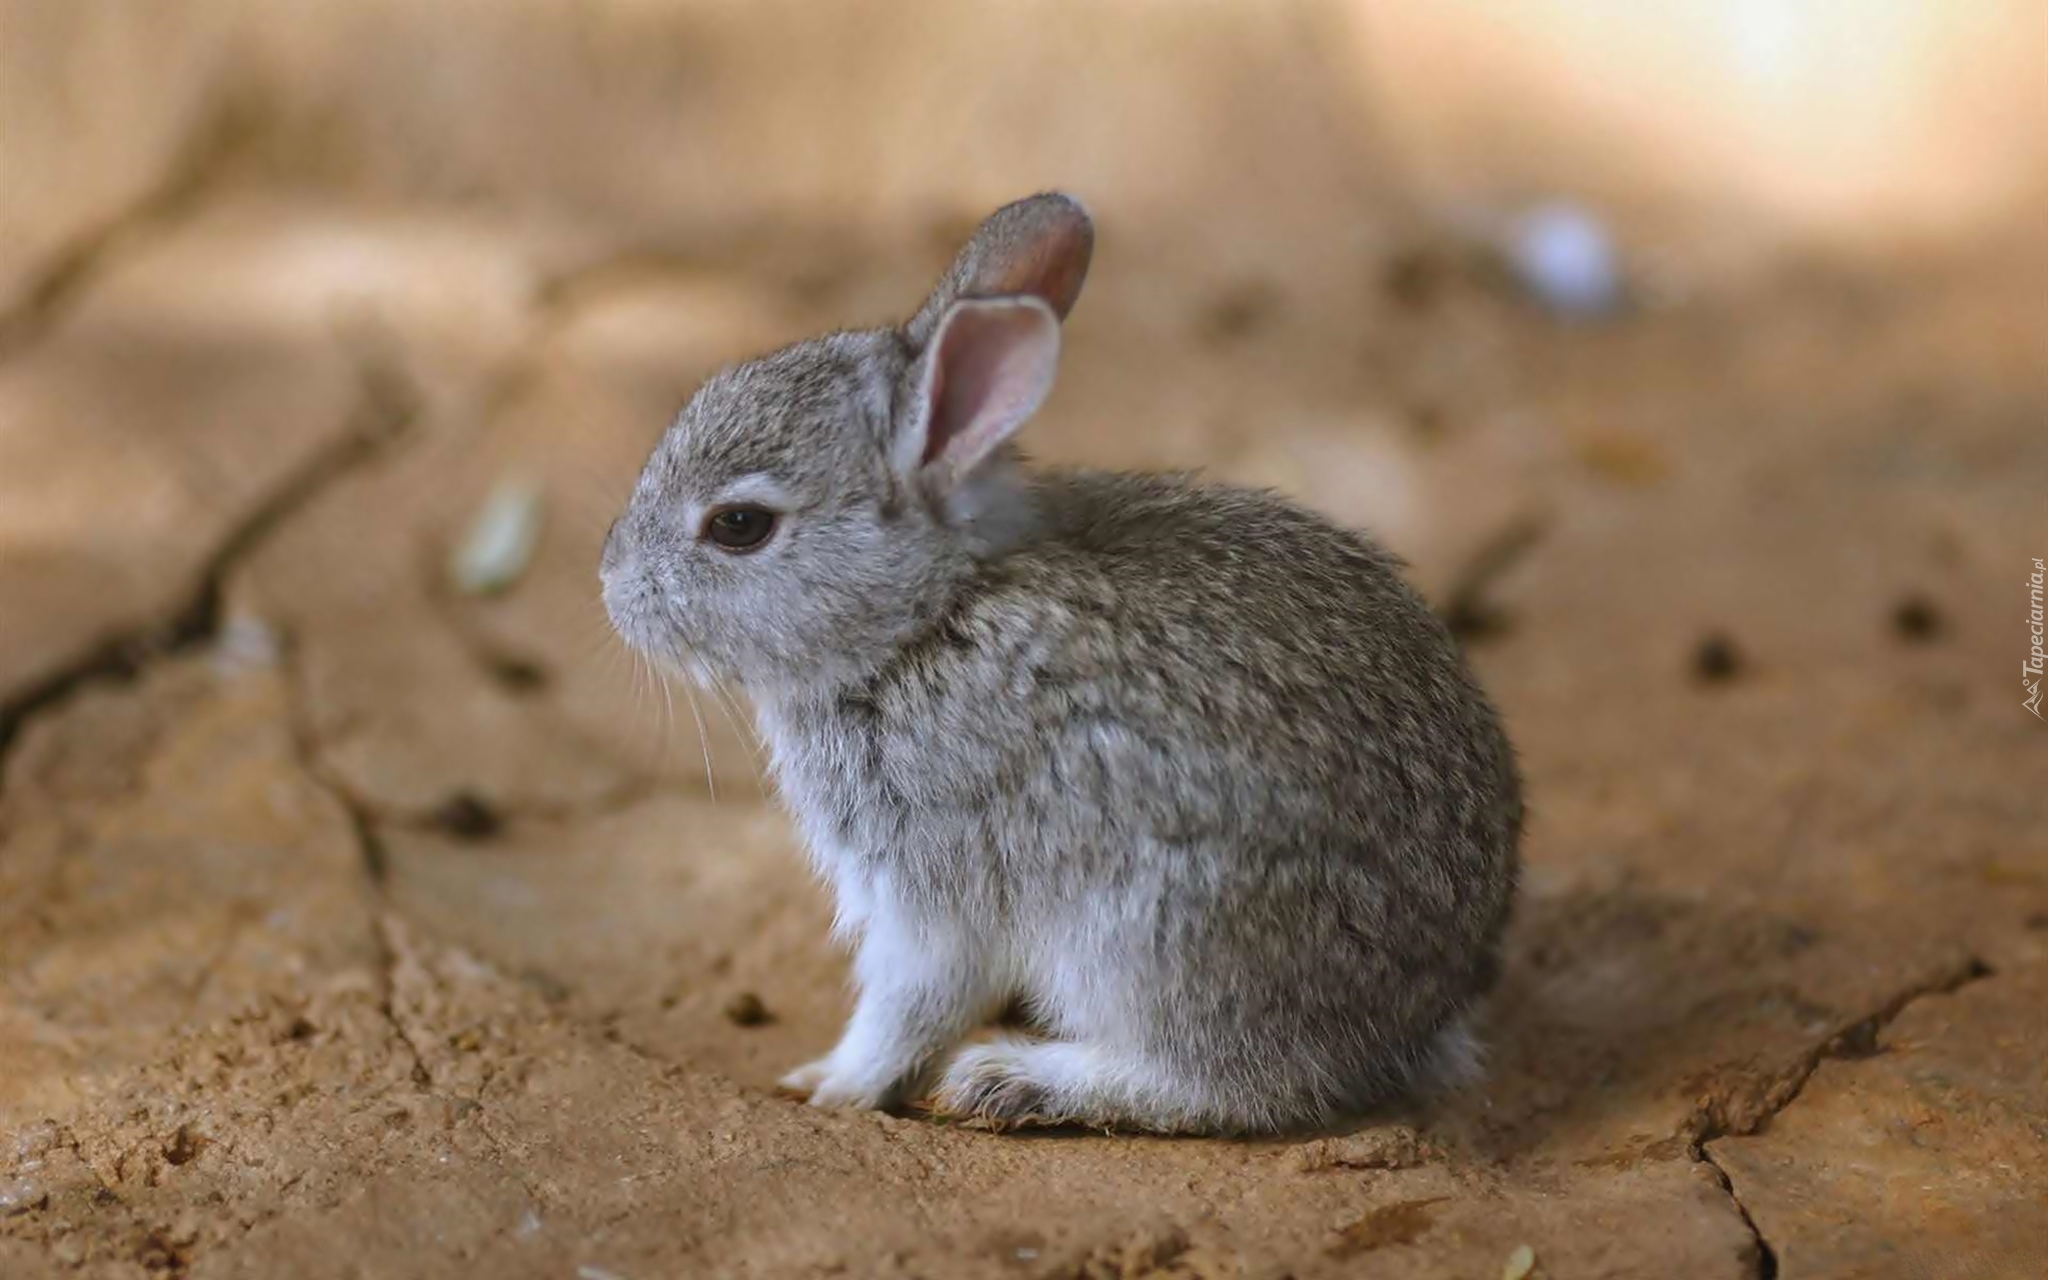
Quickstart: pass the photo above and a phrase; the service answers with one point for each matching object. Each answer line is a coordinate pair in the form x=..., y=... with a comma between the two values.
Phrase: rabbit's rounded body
x=1186, y=771
x=1192, y=774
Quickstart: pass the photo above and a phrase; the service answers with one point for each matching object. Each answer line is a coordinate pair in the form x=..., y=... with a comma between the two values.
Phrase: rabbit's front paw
x=852, y=1093
x=804, y=1081
x=825, y=1083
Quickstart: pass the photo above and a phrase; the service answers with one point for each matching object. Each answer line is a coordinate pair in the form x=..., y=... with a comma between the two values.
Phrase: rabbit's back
x=1270, y=664
x=1279, y=687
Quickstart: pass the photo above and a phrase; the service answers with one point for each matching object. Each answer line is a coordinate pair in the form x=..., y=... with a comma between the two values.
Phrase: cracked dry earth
x=350, y=926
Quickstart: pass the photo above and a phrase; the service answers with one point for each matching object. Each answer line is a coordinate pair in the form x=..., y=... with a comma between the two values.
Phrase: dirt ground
x=354, y=926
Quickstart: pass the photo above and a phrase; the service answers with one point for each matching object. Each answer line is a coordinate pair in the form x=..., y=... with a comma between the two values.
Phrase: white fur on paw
x=989, y=1082
x=849, y=1092
x=824, y=1085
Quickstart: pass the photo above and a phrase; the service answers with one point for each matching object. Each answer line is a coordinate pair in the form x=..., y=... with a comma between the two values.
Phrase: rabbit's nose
x=628, y=602
x=625, y=586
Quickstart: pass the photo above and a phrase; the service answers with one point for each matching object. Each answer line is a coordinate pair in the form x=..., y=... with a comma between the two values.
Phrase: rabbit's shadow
x=1618, y=1003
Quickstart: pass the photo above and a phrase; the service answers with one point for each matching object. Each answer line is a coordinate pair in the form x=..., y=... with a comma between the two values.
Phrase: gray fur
x=1188, y=770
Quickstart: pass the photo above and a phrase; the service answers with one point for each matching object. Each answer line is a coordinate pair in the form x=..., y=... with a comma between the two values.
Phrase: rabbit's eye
x=739, y=528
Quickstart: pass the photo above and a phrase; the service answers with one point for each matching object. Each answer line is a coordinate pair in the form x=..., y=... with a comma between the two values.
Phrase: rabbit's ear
x=1037, y=247
x=987, y=370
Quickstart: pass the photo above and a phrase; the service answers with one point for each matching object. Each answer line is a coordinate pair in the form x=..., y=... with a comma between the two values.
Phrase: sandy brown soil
x=350, y=926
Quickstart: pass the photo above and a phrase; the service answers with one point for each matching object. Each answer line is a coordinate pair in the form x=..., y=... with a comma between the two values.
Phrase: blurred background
x=1868, y=121
x=1692, y=352
x=1420, y=264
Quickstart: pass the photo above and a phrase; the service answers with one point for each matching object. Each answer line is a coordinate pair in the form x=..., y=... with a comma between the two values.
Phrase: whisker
x=644, y=678
x=666, y=672
x=704, y=740
x=740, y=723
x=744, y=734
x=600, y=637
x=668, y=695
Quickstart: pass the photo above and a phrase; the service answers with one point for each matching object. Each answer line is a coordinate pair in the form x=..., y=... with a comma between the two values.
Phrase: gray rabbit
x=1183, y=771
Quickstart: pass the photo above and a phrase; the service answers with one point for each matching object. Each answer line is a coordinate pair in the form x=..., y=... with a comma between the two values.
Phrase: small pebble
x=1519, y=1264
x=1716, y=660
x=1916, y=619
x=467, y=817
x=21, y=1195
x=245, y=644
x=495, y=552
x=746, y=1010
x=35, y=1141
x=1563, y=256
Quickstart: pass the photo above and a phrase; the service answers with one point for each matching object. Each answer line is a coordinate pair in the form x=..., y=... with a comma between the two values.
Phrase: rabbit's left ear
x=1037, y=247
x=986, y=370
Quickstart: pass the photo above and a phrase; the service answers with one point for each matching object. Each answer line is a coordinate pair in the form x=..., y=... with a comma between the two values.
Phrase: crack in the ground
x=559, y=301
x=206, y=155
x=388, y=960
x=391, y=402
x=1721, y=1116
x=369, y=843
x=384, y=412
x=1765, y=1260
x=370, y=849
x=1731, y=1113
x=362, y=821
